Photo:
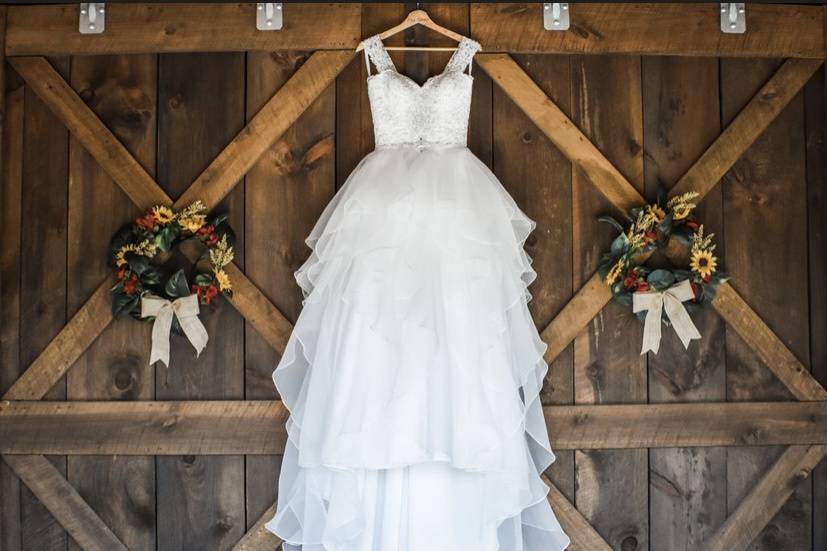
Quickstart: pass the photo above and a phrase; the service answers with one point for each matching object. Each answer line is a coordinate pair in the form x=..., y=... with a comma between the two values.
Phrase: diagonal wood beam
x=258, y=538
x=64, y=503
x=582, y=534
x=724, y=152
x=88, y=129
x=90, y=321
x=211, y=427
x=562, y=132
x=754, y=118
x=272, y=120
x=766, y=498
x=215, y=182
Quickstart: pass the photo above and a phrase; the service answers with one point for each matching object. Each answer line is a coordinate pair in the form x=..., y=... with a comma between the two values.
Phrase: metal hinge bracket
x=92, y=18
x=269, y=16
x=556, y=16
x=733, y=17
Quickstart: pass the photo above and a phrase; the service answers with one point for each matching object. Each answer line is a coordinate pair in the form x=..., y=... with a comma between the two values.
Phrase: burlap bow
x=653, y=304
x=186, y=310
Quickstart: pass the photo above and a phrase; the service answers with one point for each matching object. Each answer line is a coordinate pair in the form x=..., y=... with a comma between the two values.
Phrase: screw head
x=91, y=26
x=732, y=25
x=259, y=7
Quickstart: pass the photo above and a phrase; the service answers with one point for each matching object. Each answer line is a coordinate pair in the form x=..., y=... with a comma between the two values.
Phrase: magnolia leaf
x=218, y=219
x=151, y=276
x=123, y=303
x=177, y=285
x=665, y=226
x=204, y=279
x=137, y=263
x=661, y=279
x=620, y=245
x=166, y=238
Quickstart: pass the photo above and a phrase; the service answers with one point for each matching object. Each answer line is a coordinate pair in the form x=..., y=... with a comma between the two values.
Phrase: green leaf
x=661, y=279
x=166, y=238
x=620, y=245
x=665, y=227
x=204, y=279
x=177, y=285
x=218, y=219
x=137, y=263
x=151, y=276
x=123, y=303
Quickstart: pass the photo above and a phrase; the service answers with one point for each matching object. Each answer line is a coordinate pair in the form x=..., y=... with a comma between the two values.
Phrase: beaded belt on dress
x=422, y=145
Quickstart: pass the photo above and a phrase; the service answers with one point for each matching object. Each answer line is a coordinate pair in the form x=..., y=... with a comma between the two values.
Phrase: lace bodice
x=405, y=113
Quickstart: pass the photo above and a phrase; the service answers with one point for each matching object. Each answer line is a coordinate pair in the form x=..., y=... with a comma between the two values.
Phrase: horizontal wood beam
x=766, y=498
x=64, y=503
x=160, y=28
x=651, y=28
x=259, y=538
x=257, y=427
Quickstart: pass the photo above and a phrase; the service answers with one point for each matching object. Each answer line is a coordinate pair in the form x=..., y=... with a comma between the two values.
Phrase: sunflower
x=193, y=223
x=163, y=215
x=615, y=272
x=656, y=212
x=223, y=280
x=703, y=263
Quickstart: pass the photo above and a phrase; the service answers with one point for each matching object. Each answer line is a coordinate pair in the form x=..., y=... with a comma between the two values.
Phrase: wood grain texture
x=766, y=344
x=121, y=91
x=759, y=192
x=766, y=499
x=11, y=190
x=286, y=191
x=815, y=109
x=608, y=367
x=258, y=538
x=211, y=427
x=88, y=129
x=751, y=122
x=538, y=177
x=199, y=505
x=583, y=536
x=43, y=275
x=686, y=485
x=156, y=28
x=663, y=29
x=64, y=504
x=263, y=129
x=560, y=129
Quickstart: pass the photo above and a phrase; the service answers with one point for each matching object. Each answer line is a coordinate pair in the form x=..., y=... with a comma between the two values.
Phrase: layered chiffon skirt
x=413, y=373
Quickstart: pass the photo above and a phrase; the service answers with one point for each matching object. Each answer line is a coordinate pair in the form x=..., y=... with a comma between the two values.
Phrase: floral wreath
x=653, y=226
x=138, y=253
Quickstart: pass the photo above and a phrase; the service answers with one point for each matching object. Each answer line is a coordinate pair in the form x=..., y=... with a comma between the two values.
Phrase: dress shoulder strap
x=463, y=55
x=375, y=52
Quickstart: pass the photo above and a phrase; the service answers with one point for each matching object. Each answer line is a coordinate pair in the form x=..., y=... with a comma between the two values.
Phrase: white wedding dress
x=413, y=373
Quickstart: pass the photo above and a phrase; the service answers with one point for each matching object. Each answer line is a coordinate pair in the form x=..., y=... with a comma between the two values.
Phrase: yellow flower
x=222, y=254
x=193, y=223
x=614, y=273
x=163, y=214
x=656, y=212
x=223, y=280
x=682, y=211
x=703, y=263
x=120, y=258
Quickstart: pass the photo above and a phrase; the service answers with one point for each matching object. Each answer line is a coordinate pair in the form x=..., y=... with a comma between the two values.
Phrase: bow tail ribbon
x=186, y=310
x=654, y=304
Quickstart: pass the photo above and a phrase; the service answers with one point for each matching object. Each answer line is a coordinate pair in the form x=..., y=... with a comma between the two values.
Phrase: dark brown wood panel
x=121, y=90
x=766, y=254
x=200, y=109
x=285, y=194
x=11, y=191
x=43, y=273
x=814, y=96
x=608, y=367
x=687, y=486
x=538, y=176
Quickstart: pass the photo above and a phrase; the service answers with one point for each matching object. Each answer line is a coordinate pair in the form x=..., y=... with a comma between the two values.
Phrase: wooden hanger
x=419, y=17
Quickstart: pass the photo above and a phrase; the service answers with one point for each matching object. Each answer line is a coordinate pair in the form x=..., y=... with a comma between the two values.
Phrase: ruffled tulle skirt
x=413, y=373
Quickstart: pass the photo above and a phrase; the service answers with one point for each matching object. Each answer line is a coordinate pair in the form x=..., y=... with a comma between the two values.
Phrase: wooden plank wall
x=651, y=116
